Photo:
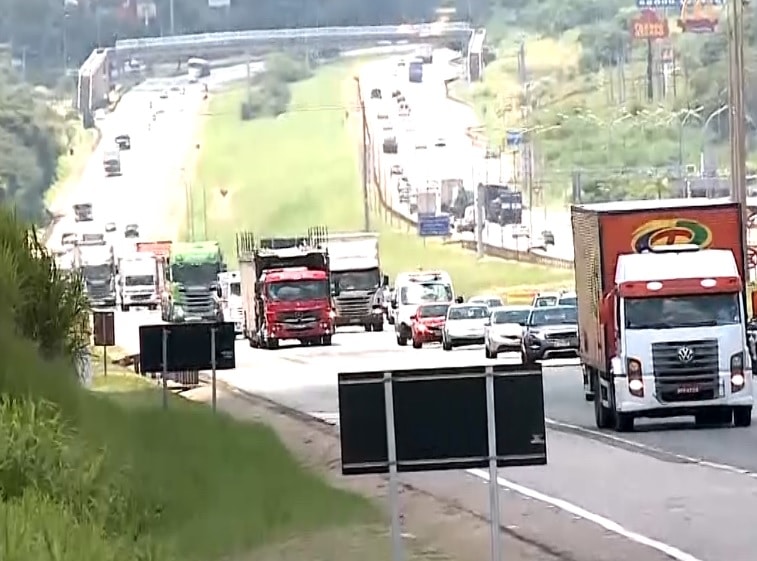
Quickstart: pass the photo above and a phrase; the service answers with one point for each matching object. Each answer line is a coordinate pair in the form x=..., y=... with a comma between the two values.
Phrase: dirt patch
x=433, y=530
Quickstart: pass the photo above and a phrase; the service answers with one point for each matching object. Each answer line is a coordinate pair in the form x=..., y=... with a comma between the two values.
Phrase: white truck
x=138, y=281
x=411, y=289
x=231, y=299
x=356, y=271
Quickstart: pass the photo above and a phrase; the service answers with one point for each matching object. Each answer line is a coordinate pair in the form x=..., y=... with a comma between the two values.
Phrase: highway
x=644, y=496
x=433, y=116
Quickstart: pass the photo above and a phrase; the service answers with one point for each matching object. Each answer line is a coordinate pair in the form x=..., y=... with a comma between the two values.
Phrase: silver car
x=465, y=325
x=491, y=300
x=504, y=330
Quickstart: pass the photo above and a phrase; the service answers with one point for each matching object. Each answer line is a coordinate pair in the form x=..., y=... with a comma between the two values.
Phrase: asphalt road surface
x=600, y=498
x=434, y=116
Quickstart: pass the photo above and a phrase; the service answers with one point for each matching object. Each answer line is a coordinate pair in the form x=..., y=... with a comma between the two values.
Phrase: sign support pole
x=164, y=376
x=105, y=361
x=394, y=491
x=213, y=331
x=493, y=485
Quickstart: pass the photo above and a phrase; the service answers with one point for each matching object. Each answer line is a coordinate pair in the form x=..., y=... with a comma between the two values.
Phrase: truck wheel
x=603, y=416
x=326, y=340
x=390, y=320
x=417, y=344
x=378, y=326
x=272, y=343
x=711, y=417
x=124, y=308
x=401, y=339
x=446, y=345
x=367, y=327
x=742, y=416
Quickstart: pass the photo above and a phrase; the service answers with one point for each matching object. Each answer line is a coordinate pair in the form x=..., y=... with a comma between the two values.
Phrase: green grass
x=86, y=478
x=300, y=169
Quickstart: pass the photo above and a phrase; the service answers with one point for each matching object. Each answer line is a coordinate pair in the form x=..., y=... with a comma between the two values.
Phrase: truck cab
x=95, y=261
x=112, y=162
x=192, y=278
x=138, y=281
x=230, y=294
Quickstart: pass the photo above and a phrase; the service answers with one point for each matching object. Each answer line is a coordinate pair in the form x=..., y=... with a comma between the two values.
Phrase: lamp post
x=684, y=116
x=705, y=127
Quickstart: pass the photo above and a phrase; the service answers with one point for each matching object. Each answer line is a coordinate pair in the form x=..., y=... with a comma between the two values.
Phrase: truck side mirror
x=394, y=304
x=335, y=290
x=459, y=300
x=385, y=281
x=219, y=292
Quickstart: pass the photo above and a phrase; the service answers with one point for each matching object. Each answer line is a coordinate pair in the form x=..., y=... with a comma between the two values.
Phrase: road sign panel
x=188, y=347
x=440, y=418
x=649, y=25
x=430, y=225
x=514, y=138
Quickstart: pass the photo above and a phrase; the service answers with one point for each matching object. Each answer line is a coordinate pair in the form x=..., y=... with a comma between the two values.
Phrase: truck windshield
x=357, y=280
x=235, y=289
x=201, y=274
x=421, y=293
x=682, y=311
x=139, y=280
x=293, y=291
x=97, y=272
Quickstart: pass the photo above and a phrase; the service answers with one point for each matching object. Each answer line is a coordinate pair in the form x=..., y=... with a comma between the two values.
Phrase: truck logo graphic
x=670, y=232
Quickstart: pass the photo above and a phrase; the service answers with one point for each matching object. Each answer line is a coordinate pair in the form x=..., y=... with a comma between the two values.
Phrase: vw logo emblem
x=685, y=354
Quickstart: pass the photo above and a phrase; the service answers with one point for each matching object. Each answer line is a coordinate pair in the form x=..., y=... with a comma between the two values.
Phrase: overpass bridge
x=95, y=79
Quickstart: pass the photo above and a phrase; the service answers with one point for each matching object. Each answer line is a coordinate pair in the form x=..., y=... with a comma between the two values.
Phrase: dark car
x=131, y=231
x=123, y=141
x=375, y=93
x=549, y=237
x=550, y=332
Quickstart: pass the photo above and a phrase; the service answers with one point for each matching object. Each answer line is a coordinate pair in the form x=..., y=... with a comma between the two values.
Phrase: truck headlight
x=737, y=372
x=178, y=311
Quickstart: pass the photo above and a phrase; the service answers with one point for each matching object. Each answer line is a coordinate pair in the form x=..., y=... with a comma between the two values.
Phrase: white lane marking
x=653, y=449
x=597, y=519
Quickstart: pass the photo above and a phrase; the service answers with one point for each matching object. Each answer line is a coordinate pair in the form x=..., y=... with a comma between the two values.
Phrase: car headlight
x=178, y=311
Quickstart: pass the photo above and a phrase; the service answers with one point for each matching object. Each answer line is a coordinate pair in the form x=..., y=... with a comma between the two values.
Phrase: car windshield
x=235, y=289
x=682, y=311
x=511, y=316
x=356, y=280
x=435, y=311
x=554, y=315
x=544, y=301
x=293, y=291
x=422, y=292
x=491, y=302
x=568, y=301
x=140, y=280
x=468, y=312
x=190, y=274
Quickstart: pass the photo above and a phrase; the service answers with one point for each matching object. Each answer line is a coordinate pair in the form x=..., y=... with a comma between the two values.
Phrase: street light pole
x=702, y=154
x=737, y=113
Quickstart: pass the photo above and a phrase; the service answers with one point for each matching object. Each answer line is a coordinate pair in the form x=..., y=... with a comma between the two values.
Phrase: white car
x=465, y=325
x=491, y=300
x=504, y=330
x=397, y=170
x=546, y=299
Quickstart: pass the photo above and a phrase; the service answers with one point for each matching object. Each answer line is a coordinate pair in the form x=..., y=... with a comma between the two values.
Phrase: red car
x=427, y=324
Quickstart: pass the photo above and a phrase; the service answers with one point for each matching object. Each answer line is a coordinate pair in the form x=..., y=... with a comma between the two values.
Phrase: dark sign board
x=188, y=346
x=104, y=329
x=440, y=418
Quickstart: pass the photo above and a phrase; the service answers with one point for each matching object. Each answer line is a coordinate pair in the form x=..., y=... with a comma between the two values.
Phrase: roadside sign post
x=104, y=334
x=449, y=418
x=178, y=348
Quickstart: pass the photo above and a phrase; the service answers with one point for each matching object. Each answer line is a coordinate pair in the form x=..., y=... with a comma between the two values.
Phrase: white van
x=411, y=289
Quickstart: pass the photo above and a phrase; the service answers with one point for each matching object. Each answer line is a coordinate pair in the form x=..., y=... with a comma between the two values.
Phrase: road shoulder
x=432, y=516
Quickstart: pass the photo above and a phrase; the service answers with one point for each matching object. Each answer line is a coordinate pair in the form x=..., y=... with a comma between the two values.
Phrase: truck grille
x=300, y=319
x=686, y=370
x=198, y=304
x=354, y=306
x=569, y=334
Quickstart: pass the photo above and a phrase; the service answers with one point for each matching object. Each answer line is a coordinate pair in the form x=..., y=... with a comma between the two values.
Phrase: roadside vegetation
x=109, y=475
x=585, y=103
x=281, y=175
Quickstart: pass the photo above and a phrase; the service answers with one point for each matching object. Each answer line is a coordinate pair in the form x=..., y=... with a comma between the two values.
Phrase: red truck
x=286, y=290
x=662, y=311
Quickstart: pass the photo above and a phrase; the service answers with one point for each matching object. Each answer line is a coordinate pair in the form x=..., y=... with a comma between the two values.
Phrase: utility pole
x=736, y=112
x=365, y=158
x=171, y=17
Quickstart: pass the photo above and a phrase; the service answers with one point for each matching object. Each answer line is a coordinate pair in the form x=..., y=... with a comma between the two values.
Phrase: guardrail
x=490, y=250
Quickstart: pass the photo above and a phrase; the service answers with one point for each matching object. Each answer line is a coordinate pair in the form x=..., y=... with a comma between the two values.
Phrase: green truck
x=192, y=278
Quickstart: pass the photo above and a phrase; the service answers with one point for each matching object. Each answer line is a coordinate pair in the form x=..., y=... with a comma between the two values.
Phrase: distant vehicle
x=415, y=71
x=112, y=162
x=490, y=300
x=376, y=93
x=401, y=63
x=198, y=68
x=397, y=170
x=83, y=212
x=546, y=299
x=426, y=54
x=123, y=141
x=390, y=145
x=551, y=332
x=504, y=331
x=69, y=239
x=568, y=299
x=549, y=237
x=164, y=94
x=537, y=242
x=465, y=325
x=421, y=144
x=404, y=110
x=440, y=142
x=131, y=231
x=427, y=324
x=413, y=289
x=110, y=226
x=138, y=282
x=396, y=94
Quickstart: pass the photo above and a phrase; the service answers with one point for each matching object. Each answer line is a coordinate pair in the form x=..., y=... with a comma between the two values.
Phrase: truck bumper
x=370, y=318
x=284, y=334
x=650, y=405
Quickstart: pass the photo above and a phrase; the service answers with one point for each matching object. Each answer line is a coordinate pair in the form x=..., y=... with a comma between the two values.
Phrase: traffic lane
x=502, y=236
x=576, y=465
x=729, y=446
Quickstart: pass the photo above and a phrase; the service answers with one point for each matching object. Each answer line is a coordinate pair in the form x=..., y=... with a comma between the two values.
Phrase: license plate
x=687, y=390
x=562, y=343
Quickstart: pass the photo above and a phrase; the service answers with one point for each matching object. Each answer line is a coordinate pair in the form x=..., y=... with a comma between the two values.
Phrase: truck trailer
x=356, y=274
x=286, y=290
x=662, y=311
